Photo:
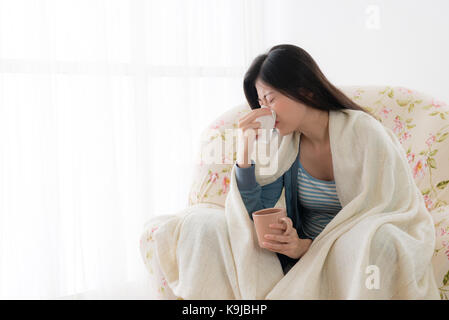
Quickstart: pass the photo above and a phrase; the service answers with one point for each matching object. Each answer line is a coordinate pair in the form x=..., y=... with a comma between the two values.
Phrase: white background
x=102, y=103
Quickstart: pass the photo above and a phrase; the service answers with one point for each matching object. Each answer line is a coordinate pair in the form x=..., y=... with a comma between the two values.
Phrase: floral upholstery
x=421, y=124
x=158, y=282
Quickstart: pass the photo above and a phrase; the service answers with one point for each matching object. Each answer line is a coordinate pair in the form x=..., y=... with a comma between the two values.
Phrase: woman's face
x=289, y=113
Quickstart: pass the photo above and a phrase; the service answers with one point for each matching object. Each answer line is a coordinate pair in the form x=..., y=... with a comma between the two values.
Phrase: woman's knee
x=207, y=224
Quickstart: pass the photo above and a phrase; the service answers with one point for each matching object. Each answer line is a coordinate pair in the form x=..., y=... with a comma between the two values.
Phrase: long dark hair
x=293, y=72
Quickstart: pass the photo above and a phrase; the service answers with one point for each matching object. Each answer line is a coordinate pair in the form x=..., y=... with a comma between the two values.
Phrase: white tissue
x=267, y=122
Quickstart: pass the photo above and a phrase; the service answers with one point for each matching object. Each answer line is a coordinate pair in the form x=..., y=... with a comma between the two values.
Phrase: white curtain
x=101, y=106
x=102, y=103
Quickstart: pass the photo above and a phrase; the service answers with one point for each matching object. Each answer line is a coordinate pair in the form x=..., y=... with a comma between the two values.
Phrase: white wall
x=364, y=42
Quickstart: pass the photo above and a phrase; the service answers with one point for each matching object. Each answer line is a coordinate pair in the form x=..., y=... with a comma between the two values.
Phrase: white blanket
x=379, y=246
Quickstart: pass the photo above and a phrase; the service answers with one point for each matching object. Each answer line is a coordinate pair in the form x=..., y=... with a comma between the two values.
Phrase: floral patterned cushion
x=157, y=280
x=211, y=183
x=440, y=259
x=420, y=123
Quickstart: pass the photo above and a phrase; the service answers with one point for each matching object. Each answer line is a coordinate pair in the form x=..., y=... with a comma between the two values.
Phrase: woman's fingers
x=254, y=125
x=255, y=113
x=289, y=223
x=246, y=116
x=250, y=117
x=279, y=238
x=277, y=226
x=275, y=247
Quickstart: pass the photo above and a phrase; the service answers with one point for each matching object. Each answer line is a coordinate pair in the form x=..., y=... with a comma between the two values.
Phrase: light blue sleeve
x=253, y=195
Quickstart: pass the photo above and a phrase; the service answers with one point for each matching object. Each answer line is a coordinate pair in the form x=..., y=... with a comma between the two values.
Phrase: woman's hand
x=288, y=243
x=247, y=123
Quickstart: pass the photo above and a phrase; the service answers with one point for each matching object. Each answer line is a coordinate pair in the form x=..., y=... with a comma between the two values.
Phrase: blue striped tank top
x=319, y=201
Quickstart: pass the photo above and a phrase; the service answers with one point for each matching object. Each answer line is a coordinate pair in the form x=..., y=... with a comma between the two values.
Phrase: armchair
x=420, y=122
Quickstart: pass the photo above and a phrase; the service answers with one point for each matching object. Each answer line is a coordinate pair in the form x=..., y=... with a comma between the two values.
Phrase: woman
x=290, y=83
x=382, y=221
